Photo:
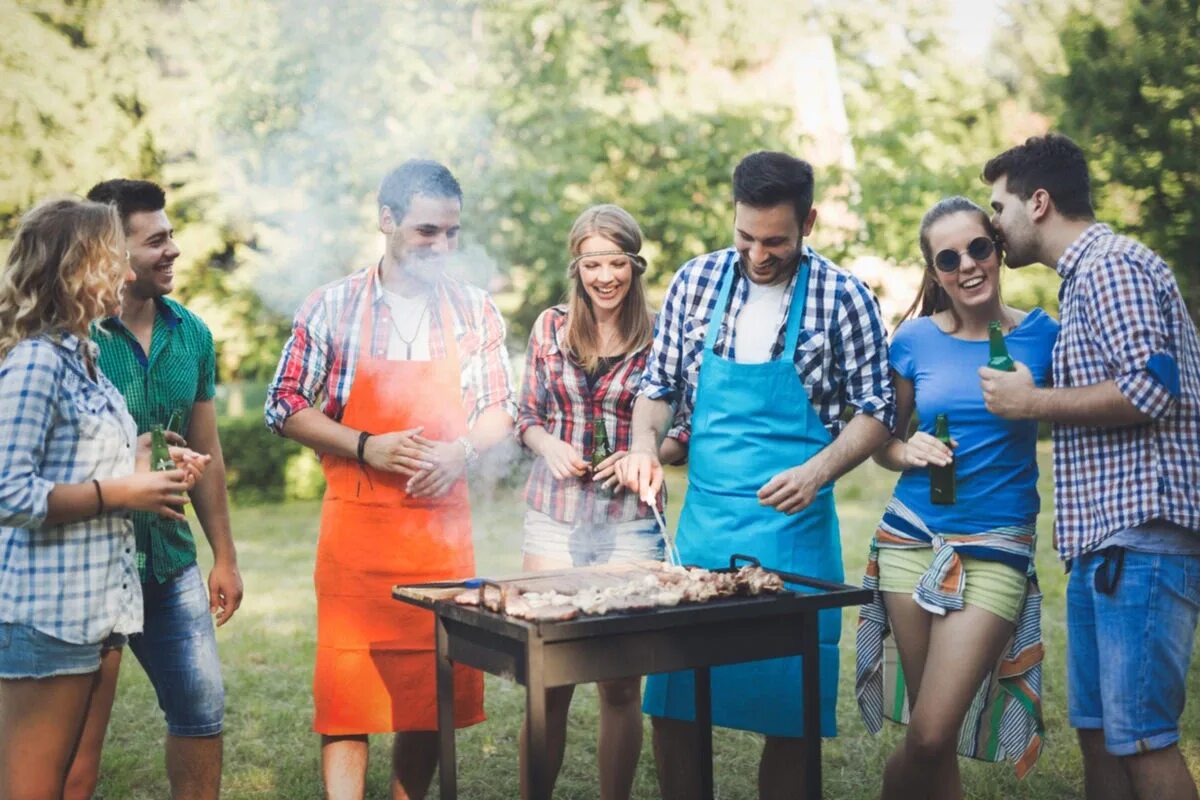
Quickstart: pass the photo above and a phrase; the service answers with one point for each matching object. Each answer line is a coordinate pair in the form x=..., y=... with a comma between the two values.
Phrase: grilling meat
x=593, y=592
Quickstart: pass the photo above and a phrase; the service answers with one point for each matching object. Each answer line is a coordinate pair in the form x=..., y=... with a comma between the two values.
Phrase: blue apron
x=751, y=422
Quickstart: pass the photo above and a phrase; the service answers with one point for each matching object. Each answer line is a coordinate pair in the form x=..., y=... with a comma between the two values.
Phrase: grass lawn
x=267, y=652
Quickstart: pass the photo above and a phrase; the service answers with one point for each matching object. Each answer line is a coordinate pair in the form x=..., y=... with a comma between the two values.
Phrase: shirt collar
x=169, y=316
x=806, y=254
x=1073, y=256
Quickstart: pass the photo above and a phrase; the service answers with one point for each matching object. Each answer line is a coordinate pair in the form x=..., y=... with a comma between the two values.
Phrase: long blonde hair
x=65, y=270
x=635, y=322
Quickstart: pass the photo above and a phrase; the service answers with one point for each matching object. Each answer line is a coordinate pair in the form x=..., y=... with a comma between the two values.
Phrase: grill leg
x=812, y=707
x=704, y=729
x=536, y=777
x=448, y=767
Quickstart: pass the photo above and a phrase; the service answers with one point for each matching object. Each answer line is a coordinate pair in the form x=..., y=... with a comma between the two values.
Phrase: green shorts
x=993, y=586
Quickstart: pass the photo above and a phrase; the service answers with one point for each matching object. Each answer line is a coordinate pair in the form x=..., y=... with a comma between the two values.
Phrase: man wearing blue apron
x=763, y=347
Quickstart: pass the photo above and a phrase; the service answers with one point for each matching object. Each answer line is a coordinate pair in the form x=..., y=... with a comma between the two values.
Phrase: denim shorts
x=584, y=544
x=178, y=649
x=26, y=652
x=1128, y=651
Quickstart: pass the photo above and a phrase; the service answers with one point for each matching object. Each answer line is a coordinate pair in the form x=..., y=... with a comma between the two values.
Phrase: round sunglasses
x=978, y=249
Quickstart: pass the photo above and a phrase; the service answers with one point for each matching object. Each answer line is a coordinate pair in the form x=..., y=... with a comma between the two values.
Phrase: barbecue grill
x=543, y=655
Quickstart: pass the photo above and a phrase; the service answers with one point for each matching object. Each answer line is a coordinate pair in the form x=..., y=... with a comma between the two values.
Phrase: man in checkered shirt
x=1126, y=412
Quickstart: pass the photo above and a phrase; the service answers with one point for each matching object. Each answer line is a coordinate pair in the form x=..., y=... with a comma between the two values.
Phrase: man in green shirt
x=161, y=357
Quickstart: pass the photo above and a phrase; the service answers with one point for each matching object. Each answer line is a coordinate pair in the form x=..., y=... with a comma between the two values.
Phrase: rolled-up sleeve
x=663, y=376
x=304, y=366
x=493, y=380
x=1129, y=328
x=29, y=377
x=531, y=409
x=861, y=348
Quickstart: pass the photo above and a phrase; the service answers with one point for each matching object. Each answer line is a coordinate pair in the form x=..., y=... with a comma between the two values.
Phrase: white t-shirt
x=409, y=338
x=758, y=323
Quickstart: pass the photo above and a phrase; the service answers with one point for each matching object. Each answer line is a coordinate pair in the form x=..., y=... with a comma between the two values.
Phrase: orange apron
x=375, y=668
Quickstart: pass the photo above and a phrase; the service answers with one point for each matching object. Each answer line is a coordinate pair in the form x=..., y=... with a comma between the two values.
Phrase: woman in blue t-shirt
x=954, y=584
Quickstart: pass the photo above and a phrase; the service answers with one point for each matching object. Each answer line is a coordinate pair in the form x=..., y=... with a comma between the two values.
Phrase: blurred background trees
x=271, y=124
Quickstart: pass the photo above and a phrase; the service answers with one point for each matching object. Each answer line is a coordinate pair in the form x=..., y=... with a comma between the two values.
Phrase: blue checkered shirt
x=841, y=355
x=77, y=581
x=1124, y=320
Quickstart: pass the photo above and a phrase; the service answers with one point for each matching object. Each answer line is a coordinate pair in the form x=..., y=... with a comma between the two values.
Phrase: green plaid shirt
x=179, y=370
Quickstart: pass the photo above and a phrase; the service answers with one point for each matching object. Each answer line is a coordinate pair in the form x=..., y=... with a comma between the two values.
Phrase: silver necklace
x=408, y=340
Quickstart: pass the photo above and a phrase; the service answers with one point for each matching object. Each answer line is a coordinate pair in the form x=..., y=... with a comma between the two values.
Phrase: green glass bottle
x=998, y=357
x=941, y=479
x=160, y=456
x=600, y=447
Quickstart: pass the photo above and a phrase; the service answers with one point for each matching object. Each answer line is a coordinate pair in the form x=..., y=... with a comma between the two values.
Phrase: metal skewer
x=673, y=556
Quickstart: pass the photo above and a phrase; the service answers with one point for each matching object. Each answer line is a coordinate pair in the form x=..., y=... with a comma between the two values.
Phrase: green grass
x=267, y=651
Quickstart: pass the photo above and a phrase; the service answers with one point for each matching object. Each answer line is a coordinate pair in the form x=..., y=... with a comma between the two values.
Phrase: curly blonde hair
x=66, y=269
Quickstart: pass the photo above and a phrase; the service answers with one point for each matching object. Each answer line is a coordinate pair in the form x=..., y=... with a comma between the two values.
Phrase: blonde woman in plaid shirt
x=68, y=584
x=1126, y=412
x=584, y=362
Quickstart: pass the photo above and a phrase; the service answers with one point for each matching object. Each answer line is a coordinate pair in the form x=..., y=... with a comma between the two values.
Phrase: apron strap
x=795, y=312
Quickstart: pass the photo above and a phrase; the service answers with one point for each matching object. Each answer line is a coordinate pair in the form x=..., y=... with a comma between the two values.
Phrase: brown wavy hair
x=66, y=269
x=635, y=322
x=932, y=298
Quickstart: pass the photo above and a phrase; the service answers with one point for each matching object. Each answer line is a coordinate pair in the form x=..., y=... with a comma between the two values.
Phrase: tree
x=1131, y=98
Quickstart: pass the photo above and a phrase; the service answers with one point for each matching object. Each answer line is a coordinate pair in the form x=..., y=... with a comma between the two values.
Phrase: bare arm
x=1013, y=395
x=211, y=502
x=794, y=489
x=641, y=471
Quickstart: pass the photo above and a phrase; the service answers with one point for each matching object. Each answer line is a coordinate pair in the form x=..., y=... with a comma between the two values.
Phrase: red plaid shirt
x=317, y=366
x=555, y=395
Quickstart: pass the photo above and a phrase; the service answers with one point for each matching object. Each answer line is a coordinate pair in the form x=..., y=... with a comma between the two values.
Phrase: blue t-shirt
x=996, y=459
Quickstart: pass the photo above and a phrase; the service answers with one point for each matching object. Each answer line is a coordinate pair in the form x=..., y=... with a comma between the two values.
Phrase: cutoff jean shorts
x=1128, y=651
x=26, y=652
x=178, y=649
x=585, y=544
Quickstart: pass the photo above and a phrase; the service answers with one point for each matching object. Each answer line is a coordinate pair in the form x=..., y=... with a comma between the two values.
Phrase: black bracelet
x=99, y=497
x=362, y=444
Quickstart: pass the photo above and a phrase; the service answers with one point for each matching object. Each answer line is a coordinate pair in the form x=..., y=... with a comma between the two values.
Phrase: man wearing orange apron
x=766, y=348
x=397, y=376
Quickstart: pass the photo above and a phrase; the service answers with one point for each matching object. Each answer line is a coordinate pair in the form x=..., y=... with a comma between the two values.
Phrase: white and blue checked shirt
x=1124, y=320
x=77, y=581
x=841, y=355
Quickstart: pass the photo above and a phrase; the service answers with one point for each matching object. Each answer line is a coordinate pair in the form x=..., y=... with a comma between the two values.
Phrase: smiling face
x=421, y=242
x=974, y=284
x=605, y=279
x=1010, y=217
x=152, y=253
x=769, y=240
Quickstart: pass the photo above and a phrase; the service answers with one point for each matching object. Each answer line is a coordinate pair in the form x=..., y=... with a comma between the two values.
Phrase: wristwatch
x=472, y=453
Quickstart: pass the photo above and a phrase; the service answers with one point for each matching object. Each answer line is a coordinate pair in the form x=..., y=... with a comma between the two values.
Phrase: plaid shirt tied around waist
x=1124, y=319
x=1004, y=721
x=317, y=366
x=841, y=355
x=556, y=396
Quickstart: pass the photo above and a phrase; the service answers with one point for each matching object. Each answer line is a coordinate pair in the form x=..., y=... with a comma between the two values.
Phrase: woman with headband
x=953, y=575
x=582, y=368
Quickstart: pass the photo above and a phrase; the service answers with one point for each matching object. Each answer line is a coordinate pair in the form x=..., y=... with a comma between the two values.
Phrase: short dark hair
x=416, y=176
x=129, y=196
x=1052, y=162
x=765, y=179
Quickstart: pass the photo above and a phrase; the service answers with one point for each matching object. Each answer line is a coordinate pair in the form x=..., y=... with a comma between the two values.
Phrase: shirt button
x=124, y=585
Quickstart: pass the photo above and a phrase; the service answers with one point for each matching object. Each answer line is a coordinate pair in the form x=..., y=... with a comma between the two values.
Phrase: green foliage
x=262, y=467
x=1131, y=96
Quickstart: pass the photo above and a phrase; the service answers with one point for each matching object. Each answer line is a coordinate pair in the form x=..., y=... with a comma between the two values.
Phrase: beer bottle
x=998, y=357
x=600, y=447
x=160, y=456
x=941, y=479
